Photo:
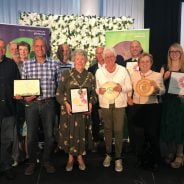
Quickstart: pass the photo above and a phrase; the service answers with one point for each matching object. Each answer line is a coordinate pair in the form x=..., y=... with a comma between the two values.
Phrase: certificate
x=132, y=66
x=26, y=87
x=176, y=84
x=79, y=100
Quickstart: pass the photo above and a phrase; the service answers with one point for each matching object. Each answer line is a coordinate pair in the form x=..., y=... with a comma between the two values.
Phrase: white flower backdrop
x=84, y=32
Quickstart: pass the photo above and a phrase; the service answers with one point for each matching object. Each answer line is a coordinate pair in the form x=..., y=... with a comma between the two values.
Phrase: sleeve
x=97, y=81
x=160, y=84
x=61, y=93
x=93, y=95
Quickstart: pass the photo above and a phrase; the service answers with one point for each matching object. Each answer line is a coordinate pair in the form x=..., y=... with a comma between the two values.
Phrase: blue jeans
x=37, y=112
x=7, y=127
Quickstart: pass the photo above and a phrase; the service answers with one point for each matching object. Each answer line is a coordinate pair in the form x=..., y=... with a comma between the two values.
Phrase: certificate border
x=28, y=80
x=170, y=83
x=87, y=110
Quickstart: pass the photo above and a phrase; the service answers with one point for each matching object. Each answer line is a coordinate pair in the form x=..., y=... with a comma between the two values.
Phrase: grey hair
x=79, y=52
x=40, y=38
x=106, y=50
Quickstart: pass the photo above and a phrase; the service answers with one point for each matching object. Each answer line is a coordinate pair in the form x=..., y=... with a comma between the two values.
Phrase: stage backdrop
x=84, y=32
x=120, y=40
x=15, y=33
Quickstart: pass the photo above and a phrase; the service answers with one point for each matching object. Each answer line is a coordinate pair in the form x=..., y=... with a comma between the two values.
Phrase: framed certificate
x=79, y=100
x=26, y=87
x=132, y=66
x=176, y=83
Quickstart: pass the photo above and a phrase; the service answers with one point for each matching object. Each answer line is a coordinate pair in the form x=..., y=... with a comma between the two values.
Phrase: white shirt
x=120, y=76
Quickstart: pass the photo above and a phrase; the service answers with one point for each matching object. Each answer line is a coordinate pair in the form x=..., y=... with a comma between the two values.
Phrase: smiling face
x=39, y=48
x=145, y=63
x=23, y=52
x=99, y=55
x=79, y=62
x=174, y=54
x=135, y=49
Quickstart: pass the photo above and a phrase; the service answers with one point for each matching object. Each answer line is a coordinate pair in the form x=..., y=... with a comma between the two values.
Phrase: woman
x=75, y=128
x=172, y=126
x=145, y=111
x=113, y=100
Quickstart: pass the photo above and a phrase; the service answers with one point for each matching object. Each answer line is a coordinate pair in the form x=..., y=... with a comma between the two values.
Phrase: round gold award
x=144, y=87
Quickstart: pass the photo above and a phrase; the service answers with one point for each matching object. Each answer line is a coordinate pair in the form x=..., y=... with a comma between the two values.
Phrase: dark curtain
x=163, y=17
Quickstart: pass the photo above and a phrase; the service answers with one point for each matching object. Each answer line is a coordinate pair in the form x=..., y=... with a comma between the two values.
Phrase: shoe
x=15, y=163
x=9, y=174
x=50, y=169
x=82, y=166
x=178, y=162
x=69, y=166
x=118, y=165
x=30, y=169
x=107, y=161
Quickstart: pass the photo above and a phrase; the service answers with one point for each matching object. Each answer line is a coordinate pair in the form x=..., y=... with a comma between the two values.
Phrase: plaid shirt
x=48, y=73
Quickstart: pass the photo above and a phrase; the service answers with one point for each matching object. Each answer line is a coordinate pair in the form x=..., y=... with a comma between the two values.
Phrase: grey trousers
x=7, y=127
x=113, y=126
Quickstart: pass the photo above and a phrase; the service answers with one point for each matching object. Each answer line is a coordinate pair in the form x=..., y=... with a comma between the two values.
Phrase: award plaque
x=26, y=87
x=144, y=87
x=79, y=100
x=110, y=94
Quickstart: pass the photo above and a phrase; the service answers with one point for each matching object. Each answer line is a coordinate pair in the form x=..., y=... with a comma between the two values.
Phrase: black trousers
x=146, y=122
x=95, y=122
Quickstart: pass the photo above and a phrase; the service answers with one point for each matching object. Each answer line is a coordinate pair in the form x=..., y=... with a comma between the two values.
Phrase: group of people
x=106, y=86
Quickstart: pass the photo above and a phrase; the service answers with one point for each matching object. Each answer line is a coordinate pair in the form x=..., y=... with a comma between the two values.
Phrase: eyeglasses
x=174, y=52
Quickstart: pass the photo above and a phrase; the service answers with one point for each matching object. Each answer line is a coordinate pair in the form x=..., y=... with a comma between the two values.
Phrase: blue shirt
x=48, y=73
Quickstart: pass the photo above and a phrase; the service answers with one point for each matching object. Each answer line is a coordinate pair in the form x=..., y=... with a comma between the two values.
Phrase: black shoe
x=9, y=174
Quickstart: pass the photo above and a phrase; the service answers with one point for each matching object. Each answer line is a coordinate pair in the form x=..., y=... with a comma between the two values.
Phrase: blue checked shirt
x=48, y=73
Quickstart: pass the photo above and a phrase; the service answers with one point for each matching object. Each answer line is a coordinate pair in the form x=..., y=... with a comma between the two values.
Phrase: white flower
x=83, y=32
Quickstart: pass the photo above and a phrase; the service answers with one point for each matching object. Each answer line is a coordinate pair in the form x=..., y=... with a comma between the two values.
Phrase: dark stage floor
x=97, y=174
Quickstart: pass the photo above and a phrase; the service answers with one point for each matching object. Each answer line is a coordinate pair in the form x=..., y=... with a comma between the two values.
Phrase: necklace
x=80, y=86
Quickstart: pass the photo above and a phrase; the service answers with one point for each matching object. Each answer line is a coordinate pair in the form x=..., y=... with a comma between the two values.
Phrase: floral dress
x=75, y=132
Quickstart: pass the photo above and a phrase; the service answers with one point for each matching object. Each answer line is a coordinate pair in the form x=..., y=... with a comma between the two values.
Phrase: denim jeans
x=7, y=127
x=36, y=113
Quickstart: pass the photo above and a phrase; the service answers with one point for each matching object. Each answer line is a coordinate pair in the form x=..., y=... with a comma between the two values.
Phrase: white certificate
x=79, y=100
x=176, y=84
x=132, y=66
x=26, y=87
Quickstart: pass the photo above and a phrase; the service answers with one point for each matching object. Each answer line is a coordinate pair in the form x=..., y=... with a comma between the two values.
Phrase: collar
x=146, y=74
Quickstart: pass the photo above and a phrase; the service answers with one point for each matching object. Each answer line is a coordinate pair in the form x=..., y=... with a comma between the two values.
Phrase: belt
x=43, y=100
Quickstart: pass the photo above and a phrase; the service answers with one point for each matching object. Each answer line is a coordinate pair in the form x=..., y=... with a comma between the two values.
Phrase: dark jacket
x=8, y=73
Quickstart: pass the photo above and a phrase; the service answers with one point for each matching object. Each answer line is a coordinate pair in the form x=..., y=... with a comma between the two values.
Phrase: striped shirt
x=48, y=73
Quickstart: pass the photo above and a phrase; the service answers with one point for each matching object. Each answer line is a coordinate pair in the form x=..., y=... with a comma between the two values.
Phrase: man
x=113, y=84
x=95, y=110
x=41, y=107
x=63, y=54
x=8, y=73
x=13, y=50
x=135, y=51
